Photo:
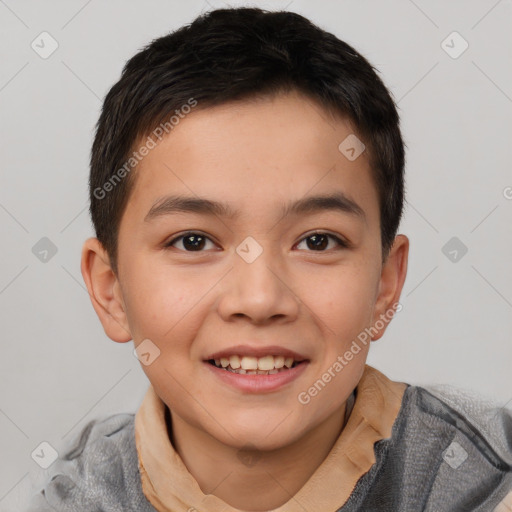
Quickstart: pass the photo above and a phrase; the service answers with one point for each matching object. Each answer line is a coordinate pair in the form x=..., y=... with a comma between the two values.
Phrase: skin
x=255, y=155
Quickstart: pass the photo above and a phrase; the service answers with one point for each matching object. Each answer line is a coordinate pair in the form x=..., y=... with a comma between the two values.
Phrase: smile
x=254, y=379
x=248, y=365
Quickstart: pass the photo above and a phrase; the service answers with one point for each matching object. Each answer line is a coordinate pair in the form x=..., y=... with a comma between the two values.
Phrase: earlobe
x=391, y=283
x=104, y=290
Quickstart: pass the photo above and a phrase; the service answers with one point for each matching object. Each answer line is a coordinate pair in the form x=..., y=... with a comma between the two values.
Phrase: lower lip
x=258, y=383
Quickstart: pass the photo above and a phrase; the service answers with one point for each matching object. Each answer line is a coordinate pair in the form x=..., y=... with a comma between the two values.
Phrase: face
x=270, y=276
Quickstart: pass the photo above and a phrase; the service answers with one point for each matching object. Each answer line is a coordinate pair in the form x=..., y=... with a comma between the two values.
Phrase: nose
x=260, y=291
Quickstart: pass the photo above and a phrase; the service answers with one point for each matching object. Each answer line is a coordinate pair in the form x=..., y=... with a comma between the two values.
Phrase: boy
x=246, y=189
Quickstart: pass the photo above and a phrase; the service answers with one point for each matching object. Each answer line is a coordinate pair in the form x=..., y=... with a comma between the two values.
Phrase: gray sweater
x=448, y=452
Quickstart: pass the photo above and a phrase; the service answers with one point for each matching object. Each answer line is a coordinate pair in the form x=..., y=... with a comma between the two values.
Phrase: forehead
x=254, y=155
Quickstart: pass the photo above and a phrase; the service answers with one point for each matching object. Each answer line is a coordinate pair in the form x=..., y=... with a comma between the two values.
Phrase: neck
x=236, y=476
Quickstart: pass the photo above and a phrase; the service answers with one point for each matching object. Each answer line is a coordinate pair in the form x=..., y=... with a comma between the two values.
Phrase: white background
x=58, y=369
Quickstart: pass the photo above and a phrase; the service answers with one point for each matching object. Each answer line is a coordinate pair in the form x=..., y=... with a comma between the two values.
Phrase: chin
x=264, y=435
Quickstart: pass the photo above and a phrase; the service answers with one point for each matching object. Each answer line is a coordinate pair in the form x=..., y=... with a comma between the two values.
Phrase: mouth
x=256, y=375
x=250, y=365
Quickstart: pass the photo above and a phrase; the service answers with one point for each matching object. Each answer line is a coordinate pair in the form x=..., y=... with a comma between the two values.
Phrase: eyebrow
x=313, y=204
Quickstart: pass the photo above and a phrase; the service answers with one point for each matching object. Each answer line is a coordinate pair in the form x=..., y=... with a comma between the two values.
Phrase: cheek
x=155, y=303
x=169, y=309
x=346, y=303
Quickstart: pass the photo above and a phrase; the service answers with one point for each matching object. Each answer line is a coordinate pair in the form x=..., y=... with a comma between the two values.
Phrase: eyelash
x=342, y=243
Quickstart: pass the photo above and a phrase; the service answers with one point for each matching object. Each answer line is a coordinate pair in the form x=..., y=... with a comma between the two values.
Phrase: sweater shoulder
x=482, y=423
x=97, y=470
x=449, y=451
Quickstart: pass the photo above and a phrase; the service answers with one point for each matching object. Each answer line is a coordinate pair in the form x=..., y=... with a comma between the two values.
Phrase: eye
x=191, y=242
x=196, y=242
x=320, y=241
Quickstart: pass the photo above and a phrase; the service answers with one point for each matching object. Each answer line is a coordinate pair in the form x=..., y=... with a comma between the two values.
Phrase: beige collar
x=169, y=486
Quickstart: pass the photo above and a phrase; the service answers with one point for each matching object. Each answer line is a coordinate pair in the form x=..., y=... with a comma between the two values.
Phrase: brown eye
x=320, y=241
x=191, y=242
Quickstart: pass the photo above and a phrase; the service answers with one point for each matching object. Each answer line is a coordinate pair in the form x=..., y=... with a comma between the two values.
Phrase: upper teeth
x=255, y=363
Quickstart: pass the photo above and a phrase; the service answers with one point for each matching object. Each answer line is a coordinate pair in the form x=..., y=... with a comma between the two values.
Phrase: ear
x=391, y=283
x=104, y=290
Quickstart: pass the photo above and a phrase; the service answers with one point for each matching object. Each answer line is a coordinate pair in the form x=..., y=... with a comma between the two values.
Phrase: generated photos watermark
x=304, y=397
x=150, y=143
